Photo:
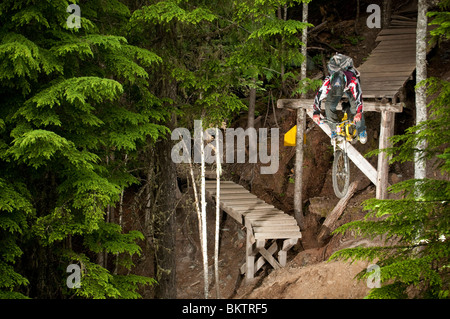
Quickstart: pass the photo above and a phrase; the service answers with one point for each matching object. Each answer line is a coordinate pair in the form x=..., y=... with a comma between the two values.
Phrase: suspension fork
x=346, y=162
x=344, y=147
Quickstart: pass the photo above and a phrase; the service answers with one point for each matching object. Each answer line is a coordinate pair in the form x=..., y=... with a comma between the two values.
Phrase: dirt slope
x=333, y=280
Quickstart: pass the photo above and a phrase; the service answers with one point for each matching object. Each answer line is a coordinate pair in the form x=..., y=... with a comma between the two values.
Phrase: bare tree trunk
x=298, y=186
x=217, y=232
x=387, y=12
x=358, y=12
x=252, y=106
x=421, y=75
x=164, y=222
x=203, y=211
x=116, y=266
x=305, y=42
x=282, y=49
x=164, y=189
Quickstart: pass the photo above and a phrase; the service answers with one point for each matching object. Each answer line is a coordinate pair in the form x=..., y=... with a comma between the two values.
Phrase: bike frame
x=342, y=131
x=341, y=142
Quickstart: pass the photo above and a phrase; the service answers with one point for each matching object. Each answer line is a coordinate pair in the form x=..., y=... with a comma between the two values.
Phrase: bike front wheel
x=341, y=173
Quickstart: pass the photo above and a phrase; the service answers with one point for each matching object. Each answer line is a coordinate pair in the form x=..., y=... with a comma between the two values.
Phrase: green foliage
x=164, y=12
x=75, y=108
x=15, y=206
x=270, y=43
x=222, y=50
x=195, y=60
x=415, y=228
x=97, y=282
x=442, y=20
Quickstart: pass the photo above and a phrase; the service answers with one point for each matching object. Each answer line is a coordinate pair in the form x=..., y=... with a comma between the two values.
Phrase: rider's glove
x=357, y=118
x=316, y=118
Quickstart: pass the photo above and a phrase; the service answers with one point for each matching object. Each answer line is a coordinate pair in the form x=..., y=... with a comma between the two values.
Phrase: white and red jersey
x=352, y=87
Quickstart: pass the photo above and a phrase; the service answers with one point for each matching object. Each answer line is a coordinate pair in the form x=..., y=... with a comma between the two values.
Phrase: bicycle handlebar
x=324, y=119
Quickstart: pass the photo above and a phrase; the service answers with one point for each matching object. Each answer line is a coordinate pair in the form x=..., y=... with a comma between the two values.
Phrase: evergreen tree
x=75, y=108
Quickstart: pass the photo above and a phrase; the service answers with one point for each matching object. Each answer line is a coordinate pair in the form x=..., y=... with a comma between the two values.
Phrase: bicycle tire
x=341, y=174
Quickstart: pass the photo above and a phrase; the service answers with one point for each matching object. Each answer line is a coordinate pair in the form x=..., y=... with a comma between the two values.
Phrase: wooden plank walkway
x=391, y=63
x=265, y=225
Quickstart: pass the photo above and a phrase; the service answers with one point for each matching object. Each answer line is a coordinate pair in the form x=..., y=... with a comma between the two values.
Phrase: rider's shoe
x=333, y=135
x=363, y=137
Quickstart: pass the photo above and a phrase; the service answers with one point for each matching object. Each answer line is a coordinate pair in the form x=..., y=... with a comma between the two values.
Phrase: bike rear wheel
x=341, y=173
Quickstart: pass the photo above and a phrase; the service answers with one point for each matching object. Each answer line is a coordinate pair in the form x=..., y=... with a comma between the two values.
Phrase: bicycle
x=346, y=133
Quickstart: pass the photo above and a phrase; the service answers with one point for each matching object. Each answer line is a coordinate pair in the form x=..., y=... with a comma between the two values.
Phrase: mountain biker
x=343, y=78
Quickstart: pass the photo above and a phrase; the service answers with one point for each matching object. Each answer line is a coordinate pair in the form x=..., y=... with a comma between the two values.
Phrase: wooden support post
x=386, y=132
x=298, y=186
x=260, y=243
x=261, y=260
x=249, y=253
x=282, y=254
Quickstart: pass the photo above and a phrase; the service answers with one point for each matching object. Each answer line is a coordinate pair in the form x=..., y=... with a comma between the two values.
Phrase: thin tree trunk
x=196, y=203
x=164, y=222
x=116, y=266
x=216, y=244
x=358, y=12
x=164, y=211
x=421, y=75
x=298, y=186
x=387, y=12
x=252, y=106
x=305, y=42
x=203, y=210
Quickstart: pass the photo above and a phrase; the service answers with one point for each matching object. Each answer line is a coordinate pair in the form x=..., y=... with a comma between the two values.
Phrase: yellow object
x=346, y=130
x=290, y=138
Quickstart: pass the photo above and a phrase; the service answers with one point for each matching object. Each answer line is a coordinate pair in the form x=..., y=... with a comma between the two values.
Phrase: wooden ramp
x=390, y=65
x=264, y=223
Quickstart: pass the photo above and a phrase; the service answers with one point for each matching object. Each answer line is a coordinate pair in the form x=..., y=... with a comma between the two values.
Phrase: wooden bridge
x=264, y=223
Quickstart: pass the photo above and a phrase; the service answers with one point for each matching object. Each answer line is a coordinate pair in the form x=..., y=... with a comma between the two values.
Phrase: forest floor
x=308, y=273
